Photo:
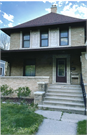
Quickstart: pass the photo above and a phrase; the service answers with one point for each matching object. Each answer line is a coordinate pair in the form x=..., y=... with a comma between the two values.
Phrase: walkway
x=58, y=123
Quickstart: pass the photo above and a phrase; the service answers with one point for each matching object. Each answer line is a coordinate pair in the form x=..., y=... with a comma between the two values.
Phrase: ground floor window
x=0, y=71
x=29, y=67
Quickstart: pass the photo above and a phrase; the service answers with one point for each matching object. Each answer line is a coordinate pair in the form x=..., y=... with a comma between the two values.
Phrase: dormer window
x=64, y=37
x=26, y=40
x=44, y=39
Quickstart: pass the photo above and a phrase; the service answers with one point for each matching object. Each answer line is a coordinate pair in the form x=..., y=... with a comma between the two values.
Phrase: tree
x=4, y=41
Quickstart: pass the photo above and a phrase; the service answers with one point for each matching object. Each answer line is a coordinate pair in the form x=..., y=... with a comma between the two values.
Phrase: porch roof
x=10, y=54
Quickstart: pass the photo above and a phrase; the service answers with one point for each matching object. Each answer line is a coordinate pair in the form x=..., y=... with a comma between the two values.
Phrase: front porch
x=27, y=68
x=56, y=64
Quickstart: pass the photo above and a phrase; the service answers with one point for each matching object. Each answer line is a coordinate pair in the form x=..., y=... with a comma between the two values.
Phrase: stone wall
x=31, y=82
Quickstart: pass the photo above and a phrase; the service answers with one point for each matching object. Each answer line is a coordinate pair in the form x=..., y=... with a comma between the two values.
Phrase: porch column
x=84, y=72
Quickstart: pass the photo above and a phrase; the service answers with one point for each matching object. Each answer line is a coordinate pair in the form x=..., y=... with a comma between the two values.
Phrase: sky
x=14, y=13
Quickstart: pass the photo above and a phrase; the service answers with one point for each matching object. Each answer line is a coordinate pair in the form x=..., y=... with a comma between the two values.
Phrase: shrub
x=23, y=92
x=6, y=90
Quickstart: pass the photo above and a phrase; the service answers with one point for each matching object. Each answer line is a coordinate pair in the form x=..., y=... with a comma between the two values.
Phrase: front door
x=61, y=75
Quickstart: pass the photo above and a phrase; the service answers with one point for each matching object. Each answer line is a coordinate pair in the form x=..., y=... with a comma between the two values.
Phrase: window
x=0, y=71
x=26, y=40
x=29, y=68
x=64, y=37
x=44, y=39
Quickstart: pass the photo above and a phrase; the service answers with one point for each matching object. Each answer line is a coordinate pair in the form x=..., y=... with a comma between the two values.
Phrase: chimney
x=54, y=9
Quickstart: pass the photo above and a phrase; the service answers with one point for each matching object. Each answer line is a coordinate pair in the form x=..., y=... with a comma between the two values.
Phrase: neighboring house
x=51, y=48
x=2, y=68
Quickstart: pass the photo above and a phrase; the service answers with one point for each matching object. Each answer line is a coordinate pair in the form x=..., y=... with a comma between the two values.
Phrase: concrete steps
x=78, y=110
x=66, y=98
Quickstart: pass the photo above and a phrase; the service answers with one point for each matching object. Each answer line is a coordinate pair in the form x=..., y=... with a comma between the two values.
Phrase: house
x=50, y=49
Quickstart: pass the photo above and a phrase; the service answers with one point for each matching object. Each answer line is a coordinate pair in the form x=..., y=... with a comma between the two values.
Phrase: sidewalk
x=58, y=123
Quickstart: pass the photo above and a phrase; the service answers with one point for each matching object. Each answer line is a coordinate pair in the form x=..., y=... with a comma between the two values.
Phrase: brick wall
x=43, y=66
x=77, y=36
x=31, y=82
x=15, y=41
x=84, y=69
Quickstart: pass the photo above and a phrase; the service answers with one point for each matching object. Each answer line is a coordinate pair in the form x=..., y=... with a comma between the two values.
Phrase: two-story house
x=51, y=48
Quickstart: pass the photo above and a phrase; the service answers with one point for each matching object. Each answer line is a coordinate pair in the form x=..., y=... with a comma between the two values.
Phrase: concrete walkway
x=58, y=123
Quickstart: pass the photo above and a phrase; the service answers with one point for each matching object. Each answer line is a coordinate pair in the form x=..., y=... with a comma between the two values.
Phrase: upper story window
x=44, y=39
x=26, y=40
x=64, y=37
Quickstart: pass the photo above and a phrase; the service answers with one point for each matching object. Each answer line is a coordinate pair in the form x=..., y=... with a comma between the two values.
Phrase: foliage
x=19, y=119
x=81, y=128
x=6, y=90
x=23, y=92
x=4, y=40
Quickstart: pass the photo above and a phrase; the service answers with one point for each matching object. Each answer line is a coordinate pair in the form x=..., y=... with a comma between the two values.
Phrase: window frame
x=43, y=32
x=61, y=29
x=29, y=64
x=25, y=33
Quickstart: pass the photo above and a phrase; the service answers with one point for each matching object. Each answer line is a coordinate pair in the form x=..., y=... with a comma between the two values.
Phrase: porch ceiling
x=10, y=54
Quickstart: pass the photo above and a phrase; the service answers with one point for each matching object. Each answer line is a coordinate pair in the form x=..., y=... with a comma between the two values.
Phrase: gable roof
x=46, y=20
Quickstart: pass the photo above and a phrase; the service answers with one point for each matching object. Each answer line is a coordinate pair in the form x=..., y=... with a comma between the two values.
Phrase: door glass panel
x=61, y=68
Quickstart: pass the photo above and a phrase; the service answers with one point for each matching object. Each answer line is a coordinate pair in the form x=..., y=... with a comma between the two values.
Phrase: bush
x=6, y=90
x=23, y=92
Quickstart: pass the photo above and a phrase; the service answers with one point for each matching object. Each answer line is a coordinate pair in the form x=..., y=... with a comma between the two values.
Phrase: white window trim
x=21, y=40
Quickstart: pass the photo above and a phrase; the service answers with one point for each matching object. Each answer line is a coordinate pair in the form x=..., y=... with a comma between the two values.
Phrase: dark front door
x=61, y=74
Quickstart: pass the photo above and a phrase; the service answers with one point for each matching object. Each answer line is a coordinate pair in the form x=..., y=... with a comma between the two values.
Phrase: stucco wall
x=76, y=38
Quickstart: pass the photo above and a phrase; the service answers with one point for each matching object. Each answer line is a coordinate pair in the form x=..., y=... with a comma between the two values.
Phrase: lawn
x=82, y=127
x=19, y=119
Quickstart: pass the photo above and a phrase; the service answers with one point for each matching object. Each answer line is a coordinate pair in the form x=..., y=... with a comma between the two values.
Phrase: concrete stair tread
x=64, y=85
x=63, y=107
x=65, y=98
x=63, y=94
x=66, y=88
x=61, y=102
x=71, y=91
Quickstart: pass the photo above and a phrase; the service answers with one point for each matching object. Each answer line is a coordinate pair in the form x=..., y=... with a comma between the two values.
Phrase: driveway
x=59, y=123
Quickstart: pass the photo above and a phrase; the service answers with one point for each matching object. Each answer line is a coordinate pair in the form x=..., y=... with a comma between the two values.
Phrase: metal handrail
x=84, y=92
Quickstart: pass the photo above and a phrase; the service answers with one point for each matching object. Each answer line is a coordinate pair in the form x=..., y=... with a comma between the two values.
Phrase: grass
x=19, y=119
x=82, y=128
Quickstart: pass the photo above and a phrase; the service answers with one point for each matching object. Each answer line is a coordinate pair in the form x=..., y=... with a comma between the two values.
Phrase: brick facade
x=31, y=82
x=15, y=41
x=76, y=38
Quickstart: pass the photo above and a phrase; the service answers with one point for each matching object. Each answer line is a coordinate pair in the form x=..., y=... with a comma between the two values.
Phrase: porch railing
x=84, y=92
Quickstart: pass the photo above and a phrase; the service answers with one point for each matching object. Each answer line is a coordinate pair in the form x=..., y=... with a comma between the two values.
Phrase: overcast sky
x=14, y=13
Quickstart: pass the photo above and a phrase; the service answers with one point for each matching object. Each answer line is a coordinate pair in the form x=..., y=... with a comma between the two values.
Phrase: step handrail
x=83, y=91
